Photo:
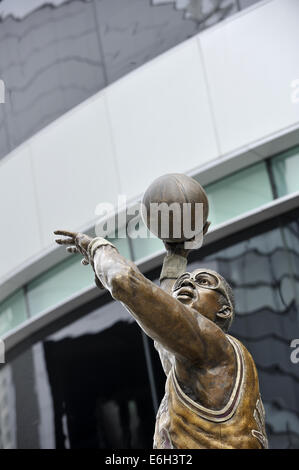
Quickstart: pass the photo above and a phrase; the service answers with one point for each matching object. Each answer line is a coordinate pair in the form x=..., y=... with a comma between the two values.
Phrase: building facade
x=101, y=98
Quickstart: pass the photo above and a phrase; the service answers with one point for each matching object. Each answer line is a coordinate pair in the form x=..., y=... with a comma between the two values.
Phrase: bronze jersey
x=184, y=424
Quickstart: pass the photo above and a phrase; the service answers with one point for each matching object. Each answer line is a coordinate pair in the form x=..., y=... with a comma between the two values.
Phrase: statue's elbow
x=121, y=283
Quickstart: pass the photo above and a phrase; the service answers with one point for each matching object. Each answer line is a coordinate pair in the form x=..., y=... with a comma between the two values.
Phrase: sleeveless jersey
x=182, y=423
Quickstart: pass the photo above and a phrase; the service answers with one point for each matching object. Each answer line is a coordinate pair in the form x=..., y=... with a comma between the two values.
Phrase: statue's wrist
x=173, y=266
x=96, y=244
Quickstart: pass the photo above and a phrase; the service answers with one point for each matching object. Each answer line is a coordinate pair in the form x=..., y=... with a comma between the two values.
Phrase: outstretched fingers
x=66, y=233
x=65, y=241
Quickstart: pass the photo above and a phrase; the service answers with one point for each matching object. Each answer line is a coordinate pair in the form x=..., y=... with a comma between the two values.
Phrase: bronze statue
x=212, y=398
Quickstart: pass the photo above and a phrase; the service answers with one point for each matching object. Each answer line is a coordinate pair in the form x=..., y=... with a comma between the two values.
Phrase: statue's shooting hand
x=176, y=249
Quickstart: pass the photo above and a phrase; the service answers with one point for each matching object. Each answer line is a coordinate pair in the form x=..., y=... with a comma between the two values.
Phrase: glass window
x=59, y=283
x=64, y=280
x=238, y=193
x=146, y=244
x=122, y=245
x=285, y=169
x=12, y=312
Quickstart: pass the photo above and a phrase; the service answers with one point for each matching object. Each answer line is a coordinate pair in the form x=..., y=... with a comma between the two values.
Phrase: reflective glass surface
x=238, y=193
x=64, y=280
x=12, y=312
x=58, y=284
x=285, y=169
x=144, y=245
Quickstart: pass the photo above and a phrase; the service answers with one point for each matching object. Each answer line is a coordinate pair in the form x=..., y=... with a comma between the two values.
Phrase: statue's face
x=200, y=290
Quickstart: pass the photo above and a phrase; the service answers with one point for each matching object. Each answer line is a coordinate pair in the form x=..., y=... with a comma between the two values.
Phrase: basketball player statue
x=212, y=398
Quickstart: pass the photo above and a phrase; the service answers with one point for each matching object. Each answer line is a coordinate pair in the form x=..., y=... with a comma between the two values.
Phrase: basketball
x=181, y=223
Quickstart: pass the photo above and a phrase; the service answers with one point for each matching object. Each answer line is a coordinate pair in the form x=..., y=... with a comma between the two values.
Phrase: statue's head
x=208, y=293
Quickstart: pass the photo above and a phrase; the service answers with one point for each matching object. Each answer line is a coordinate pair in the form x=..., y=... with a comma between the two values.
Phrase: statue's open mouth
x=186, y=292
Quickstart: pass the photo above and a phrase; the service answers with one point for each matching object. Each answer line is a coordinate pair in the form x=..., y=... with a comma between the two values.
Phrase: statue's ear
x=225, y=312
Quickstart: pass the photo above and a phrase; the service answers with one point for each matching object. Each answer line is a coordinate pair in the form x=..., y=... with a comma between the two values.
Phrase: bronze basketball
x=174, y=226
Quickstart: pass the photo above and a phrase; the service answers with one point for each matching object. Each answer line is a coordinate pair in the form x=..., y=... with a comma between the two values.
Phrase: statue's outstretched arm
x=181, y=330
